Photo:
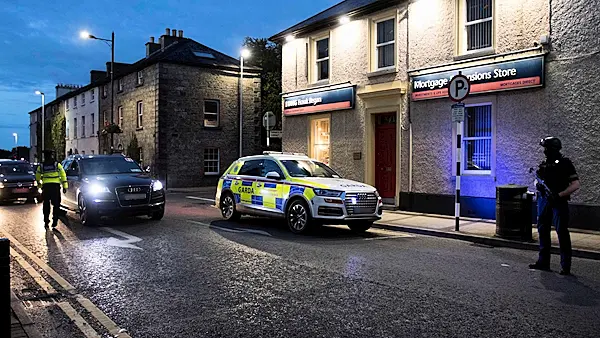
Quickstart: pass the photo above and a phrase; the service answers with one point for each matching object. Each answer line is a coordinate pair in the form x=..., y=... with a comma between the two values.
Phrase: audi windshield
x=106, y=166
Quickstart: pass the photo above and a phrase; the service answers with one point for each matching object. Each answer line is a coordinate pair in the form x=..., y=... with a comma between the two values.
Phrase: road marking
x=86, y=303
x=128, y=243
x=234, y=230
x=384, y=237
x=87, y=330
x=200, y=198
x=33, y=272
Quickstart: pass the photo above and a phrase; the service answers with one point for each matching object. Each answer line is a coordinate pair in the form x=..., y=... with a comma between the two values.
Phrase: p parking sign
x=459, y=88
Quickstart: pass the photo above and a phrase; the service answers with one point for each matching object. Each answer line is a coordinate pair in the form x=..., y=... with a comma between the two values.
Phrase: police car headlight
x=327, y=193
x=97, y=189
x=157, y=185
x=35, y=184
x=1, y=185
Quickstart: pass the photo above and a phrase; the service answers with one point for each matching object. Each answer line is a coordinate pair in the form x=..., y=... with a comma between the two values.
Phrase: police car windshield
x=15, y=169
x=306, y=168
x=105, y=166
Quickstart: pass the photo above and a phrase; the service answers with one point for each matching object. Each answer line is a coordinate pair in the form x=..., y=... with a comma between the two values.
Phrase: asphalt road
x=194, y=275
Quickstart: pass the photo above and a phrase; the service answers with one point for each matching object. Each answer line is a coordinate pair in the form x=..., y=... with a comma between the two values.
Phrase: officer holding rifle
x=556, y=180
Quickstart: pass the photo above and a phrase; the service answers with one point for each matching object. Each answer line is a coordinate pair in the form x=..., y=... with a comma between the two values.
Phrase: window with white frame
x=75, y=128
x=477, y=139
x=93, y=124
x=322, y=59
x=477, y=31
x=92, y=95
x=83, y=99
x=120, y=85
x=120, y=116
x=319, y=139
x=105, y=91
x=140, y=77
x=140, y=114
x=67, y=126
x=75, y=102
x=385, y=43
x=211, y=161
x=211, y=113
x=83, y=126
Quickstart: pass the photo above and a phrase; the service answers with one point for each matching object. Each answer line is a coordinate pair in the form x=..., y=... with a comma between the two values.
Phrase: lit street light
x=37, y=92
x=111, y=43
x=244, y=54
x=16, y=136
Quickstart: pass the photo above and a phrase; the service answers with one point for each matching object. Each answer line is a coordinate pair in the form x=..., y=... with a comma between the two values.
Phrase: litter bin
x=513, y=212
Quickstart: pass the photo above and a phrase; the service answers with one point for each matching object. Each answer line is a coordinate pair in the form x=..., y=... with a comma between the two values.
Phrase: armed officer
x=556, y=181
x=50, y=176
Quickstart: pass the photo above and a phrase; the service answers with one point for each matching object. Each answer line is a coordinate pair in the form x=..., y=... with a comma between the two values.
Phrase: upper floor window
x=477, y=25
x=83, y=99
x=93, y=124
x=67, y=102
x=92, y=95
x=74, y=128
x=140, y=77
x=75, y=102
x=211, y=113
x=322, y=59
x=105, y=91
x=140, y=114
x=83, y=126
x=120, y=116
x=385, y=44
x=120, y=84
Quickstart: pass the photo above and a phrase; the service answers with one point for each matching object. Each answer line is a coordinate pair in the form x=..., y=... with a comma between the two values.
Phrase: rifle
x=543, y=188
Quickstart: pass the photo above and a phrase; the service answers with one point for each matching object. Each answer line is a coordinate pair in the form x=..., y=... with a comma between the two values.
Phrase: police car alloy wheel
x=298, y=217
x=228, y=210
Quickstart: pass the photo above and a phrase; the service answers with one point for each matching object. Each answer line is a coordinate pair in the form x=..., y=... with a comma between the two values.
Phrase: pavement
x=195, y=275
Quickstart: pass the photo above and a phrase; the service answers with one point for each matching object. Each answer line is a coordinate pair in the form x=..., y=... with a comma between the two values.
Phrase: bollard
x=4, y=287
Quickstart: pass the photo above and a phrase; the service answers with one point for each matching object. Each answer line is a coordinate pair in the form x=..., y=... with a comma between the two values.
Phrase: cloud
x=38, y=24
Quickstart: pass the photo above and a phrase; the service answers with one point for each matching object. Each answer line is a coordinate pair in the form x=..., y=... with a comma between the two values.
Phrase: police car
x=302, y=190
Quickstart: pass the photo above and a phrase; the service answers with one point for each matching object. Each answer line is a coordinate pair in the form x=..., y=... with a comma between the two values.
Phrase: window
x=83, y=126
x=75, y=102
x=75, y=128
x=140, y=78
x=67, y=102
x=211, y=161
x=477, y=25
x=67, y=126
x=251, y=168
x=105, y=118
x=92, y=95
x=385, y=43
x=92, y=152
x=120, y=115
x=105, y=91
x=140, y=114
x=319, y=132
x=477, y=139
x=322, y=59
x=93, y=124
x=120, y=84
x=204, y=55
x=269, y=166
x=211, y=113
x=83, y=99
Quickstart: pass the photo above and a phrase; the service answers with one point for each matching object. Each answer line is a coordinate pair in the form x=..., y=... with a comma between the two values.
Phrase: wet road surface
x=195, y=275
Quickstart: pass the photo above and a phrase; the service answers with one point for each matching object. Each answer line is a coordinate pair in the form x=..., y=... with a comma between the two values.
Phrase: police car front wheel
x=228, y=208
x=298, y=217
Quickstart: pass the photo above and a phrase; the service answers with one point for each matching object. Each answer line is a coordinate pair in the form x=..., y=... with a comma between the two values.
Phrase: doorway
x=385, y=156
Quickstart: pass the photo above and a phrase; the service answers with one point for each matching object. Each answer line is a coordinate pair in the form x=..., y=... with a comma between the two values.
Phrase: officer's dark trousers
x=557, y=215
x=51, y=194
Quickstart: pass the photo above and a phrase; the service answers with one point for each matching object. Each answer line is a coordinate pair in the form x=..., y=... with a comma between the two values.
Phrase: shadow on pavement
x=573, y=291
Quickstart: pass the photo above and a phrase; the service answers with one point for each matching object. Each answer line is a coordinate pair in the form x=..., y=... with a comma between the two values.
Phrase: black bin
x=513, y=212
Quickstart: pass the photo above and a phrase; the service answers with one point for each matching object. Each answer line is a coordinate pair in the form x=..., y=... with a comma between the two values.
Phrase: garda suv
x=111, y=185
x=17, y=180
x=302, y=190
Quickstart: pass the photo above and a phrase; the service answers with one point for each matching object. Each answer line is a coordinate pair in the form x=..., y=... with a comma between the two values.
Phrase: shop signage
x=275, y=134
x=517, y=74
x=320, y=101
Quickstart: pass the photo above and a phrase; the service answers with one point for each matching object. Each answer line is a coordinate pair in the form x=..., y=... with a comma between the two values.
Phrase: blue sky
x=40, y=44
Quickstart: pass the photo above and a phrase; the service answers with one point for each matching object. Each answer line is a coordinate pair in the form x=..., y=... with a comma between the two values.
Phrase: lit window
x=477, y=29
x=75, y=128
x=385, y=43
x=140, y=77
x=120, y=84
x=120, y=115
x=322, y=59
x=477, y=139
x=319, y=132
x=211, y=113
x=140, y=114
x=93, y=125
x=83, y=126
x=211, y=161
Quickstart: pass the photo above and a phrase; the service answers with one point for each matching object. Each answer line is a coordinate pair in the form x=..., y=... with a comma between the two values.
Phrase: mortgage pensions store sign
x=516, y=74
x=319, y=101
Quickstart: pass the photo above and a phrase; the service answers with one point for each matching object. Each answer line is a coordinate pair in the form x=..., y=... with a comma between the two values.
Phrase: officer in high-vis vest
x=51, y=176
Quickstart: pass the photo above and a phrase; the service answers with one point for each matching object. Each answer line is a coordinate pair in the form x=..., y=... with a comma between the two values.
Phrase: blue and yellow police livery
x=297, y=188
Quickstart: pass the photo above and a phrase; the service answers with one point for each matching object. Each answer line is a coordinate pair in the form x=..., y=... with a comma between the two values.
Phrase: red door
x=385, y=155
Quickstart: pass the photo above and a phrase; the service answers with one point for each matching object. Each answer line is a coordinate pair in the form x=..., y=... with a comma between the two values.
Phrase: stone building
x=365, y=89
x=179, y=108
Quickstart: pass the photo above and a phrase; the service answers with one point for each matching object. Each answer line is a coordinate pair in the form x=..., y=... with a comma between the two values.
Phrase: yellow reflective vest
x=51, y=173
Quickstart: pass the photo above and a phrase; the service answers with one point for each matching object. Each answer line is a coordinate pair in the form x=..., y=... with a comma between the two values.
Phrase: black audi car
x=17, y=180
x=111, y=185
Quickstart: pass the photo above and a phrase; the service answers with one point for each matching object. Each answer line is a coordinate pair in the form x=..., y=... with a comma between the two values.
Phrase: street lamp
x=244, y=54
x=37, y=92
x=16, y=136
x=111, y=43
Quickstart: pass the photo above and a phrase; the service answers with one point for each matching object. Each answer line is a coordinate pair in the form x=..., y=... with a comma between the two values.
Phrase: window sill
x=475, y=54
x=382, y=71
x=211, y=174
x=139, y=84
x=319, y=83
x=139, y=128
x=212, y=128
x=119, y=91
x=477, y=173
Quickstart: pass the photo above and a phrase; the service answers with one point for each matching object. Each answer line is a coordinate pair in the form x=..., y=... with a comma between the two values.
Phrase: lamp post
x=16, y=136
x=37, y=92
x=111, y=43
x=245, y=53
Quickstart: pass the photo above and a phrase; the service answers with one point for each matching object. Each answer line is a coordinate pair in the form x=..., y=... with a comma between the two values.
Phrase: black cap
x=551, y=143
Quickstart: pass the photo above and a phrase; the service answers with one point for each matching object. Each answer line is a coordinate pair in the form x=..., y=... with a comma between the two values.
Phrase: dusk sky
x=41, y=45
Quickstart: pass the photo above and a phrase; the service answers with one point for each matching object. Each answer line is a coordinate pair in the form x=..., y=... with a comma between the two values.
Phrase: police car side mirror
x=272, y=175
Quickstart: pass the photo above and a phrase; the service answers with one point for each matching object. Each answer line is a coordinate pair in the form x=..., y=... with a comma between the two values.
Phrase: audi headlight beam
x=327, y=193
x=157, y=185
x=97, y=189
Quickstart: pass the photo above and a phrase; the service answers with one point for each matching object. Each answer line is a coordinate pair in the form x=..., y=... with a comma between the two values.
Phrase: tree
x=133, y=149
x=267, y=55
x=58, y=135
x=5, y=153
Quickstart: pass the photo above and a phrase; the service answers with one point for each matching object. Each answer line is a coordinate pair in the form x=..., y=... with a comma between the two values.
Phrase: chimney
x=97, y=75
x=151, y=47
x=180, y=33
x=167, y=32
x=168, y=39
x=174, y=32
x=62, y=89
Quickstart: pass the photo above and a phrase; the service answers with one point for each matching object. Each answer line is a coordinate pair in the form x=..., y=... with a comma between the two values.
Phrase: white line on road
x=128, y=243
x=84, y=326
x=235, y=230
x=200, y=198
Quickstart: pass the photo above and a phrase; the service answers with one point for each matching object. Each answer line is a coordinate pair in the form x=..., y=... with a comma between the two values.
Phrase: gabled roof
x=332, y=14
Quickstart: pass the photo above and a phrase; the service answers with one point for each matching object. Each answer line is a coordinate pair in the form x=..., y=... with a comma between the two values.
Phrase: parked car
x=17, y=180
x=295, y=187
x=111, y=185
